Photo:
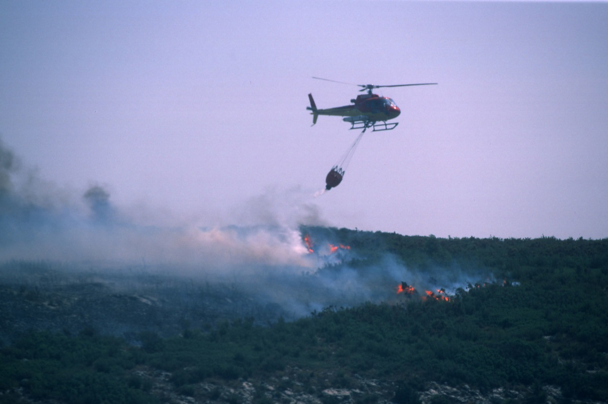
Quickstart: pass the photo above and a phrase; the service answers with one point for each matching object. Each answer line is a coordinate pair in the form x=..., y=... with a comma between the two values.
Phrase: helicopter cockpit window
x=389, y=102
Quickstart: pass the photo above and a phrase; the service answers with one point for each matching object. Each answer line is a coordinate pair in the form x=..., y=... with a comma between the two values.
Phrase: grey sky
x=199, y=107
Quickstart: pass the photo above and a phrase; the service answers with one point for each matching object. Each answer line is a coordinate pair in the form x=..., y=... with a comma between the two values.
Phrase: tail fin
x=313, y=108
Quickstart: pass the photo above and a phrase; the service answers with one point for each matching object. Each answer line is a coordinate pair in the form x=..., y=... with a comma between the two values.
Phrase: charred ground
x=537, y=332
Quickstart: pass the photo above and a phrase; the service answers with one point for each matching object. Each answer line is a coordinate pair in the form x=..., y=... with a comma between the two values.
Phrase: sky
x=196, y=111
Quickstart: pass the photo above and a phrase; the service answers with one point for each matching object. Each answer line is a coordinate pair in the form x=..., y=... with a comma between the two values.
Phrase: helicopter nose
x=395, y=111
x=392, y=111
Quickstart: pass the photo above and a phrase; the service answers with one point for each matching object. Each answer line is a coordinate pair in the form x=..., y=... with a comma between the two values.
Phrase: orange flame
x=334, y=248
x=439, y=297
x=405, y=288
x=428, y=294
x=308, y=242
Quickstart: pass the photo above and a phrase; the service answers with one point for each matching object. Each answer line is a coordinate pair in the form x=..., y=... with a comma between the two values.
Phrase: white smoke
x=38, y=221
x=261, y=246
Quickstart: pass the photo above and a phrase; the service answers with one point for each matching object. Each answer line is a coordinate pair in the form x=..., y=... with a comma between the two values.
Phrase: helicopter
x=367, y=110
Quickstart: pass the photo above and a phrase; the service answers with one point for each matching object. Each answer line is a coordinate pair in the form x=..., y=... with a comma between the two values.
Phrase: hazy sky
x=198, y=108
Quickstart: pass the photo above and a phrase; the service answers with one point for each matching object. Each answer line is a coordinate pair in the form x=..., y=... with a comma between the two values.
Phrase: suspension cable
x=346, y=157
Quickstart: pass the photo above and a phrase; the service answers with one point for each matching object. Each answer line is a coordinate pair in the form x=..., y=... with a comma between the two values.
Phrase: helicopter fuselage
x=369, y=107
x=367, y=111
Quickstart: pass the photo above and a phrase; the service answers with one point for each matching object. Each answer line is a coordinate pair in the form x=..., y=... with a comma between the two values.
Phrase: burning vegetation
x=406, y=289
x=308, y=243
x=323, y=249
x=345, y=265
x=440, y=296
x=409, y=291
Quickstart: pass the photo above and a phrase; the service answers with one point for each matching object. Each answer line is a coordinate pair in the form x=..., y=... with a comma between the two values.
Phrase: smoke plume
x=262, y=251
x=41, y=222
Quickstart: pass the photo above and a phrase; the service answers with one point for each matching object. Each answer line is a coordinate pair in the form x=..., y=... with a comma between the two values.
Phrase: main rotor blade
x=372, y=86
x=406, y=85
x=334, y=81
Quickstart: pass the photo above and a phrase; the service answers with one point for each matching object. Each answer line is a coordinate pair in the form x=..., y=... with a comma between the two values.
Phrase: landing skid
x=376, y=126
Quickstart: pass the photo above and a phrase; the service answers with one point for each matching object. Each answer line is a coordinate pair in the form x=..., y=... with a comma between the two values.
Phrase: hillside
x=487, y=320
